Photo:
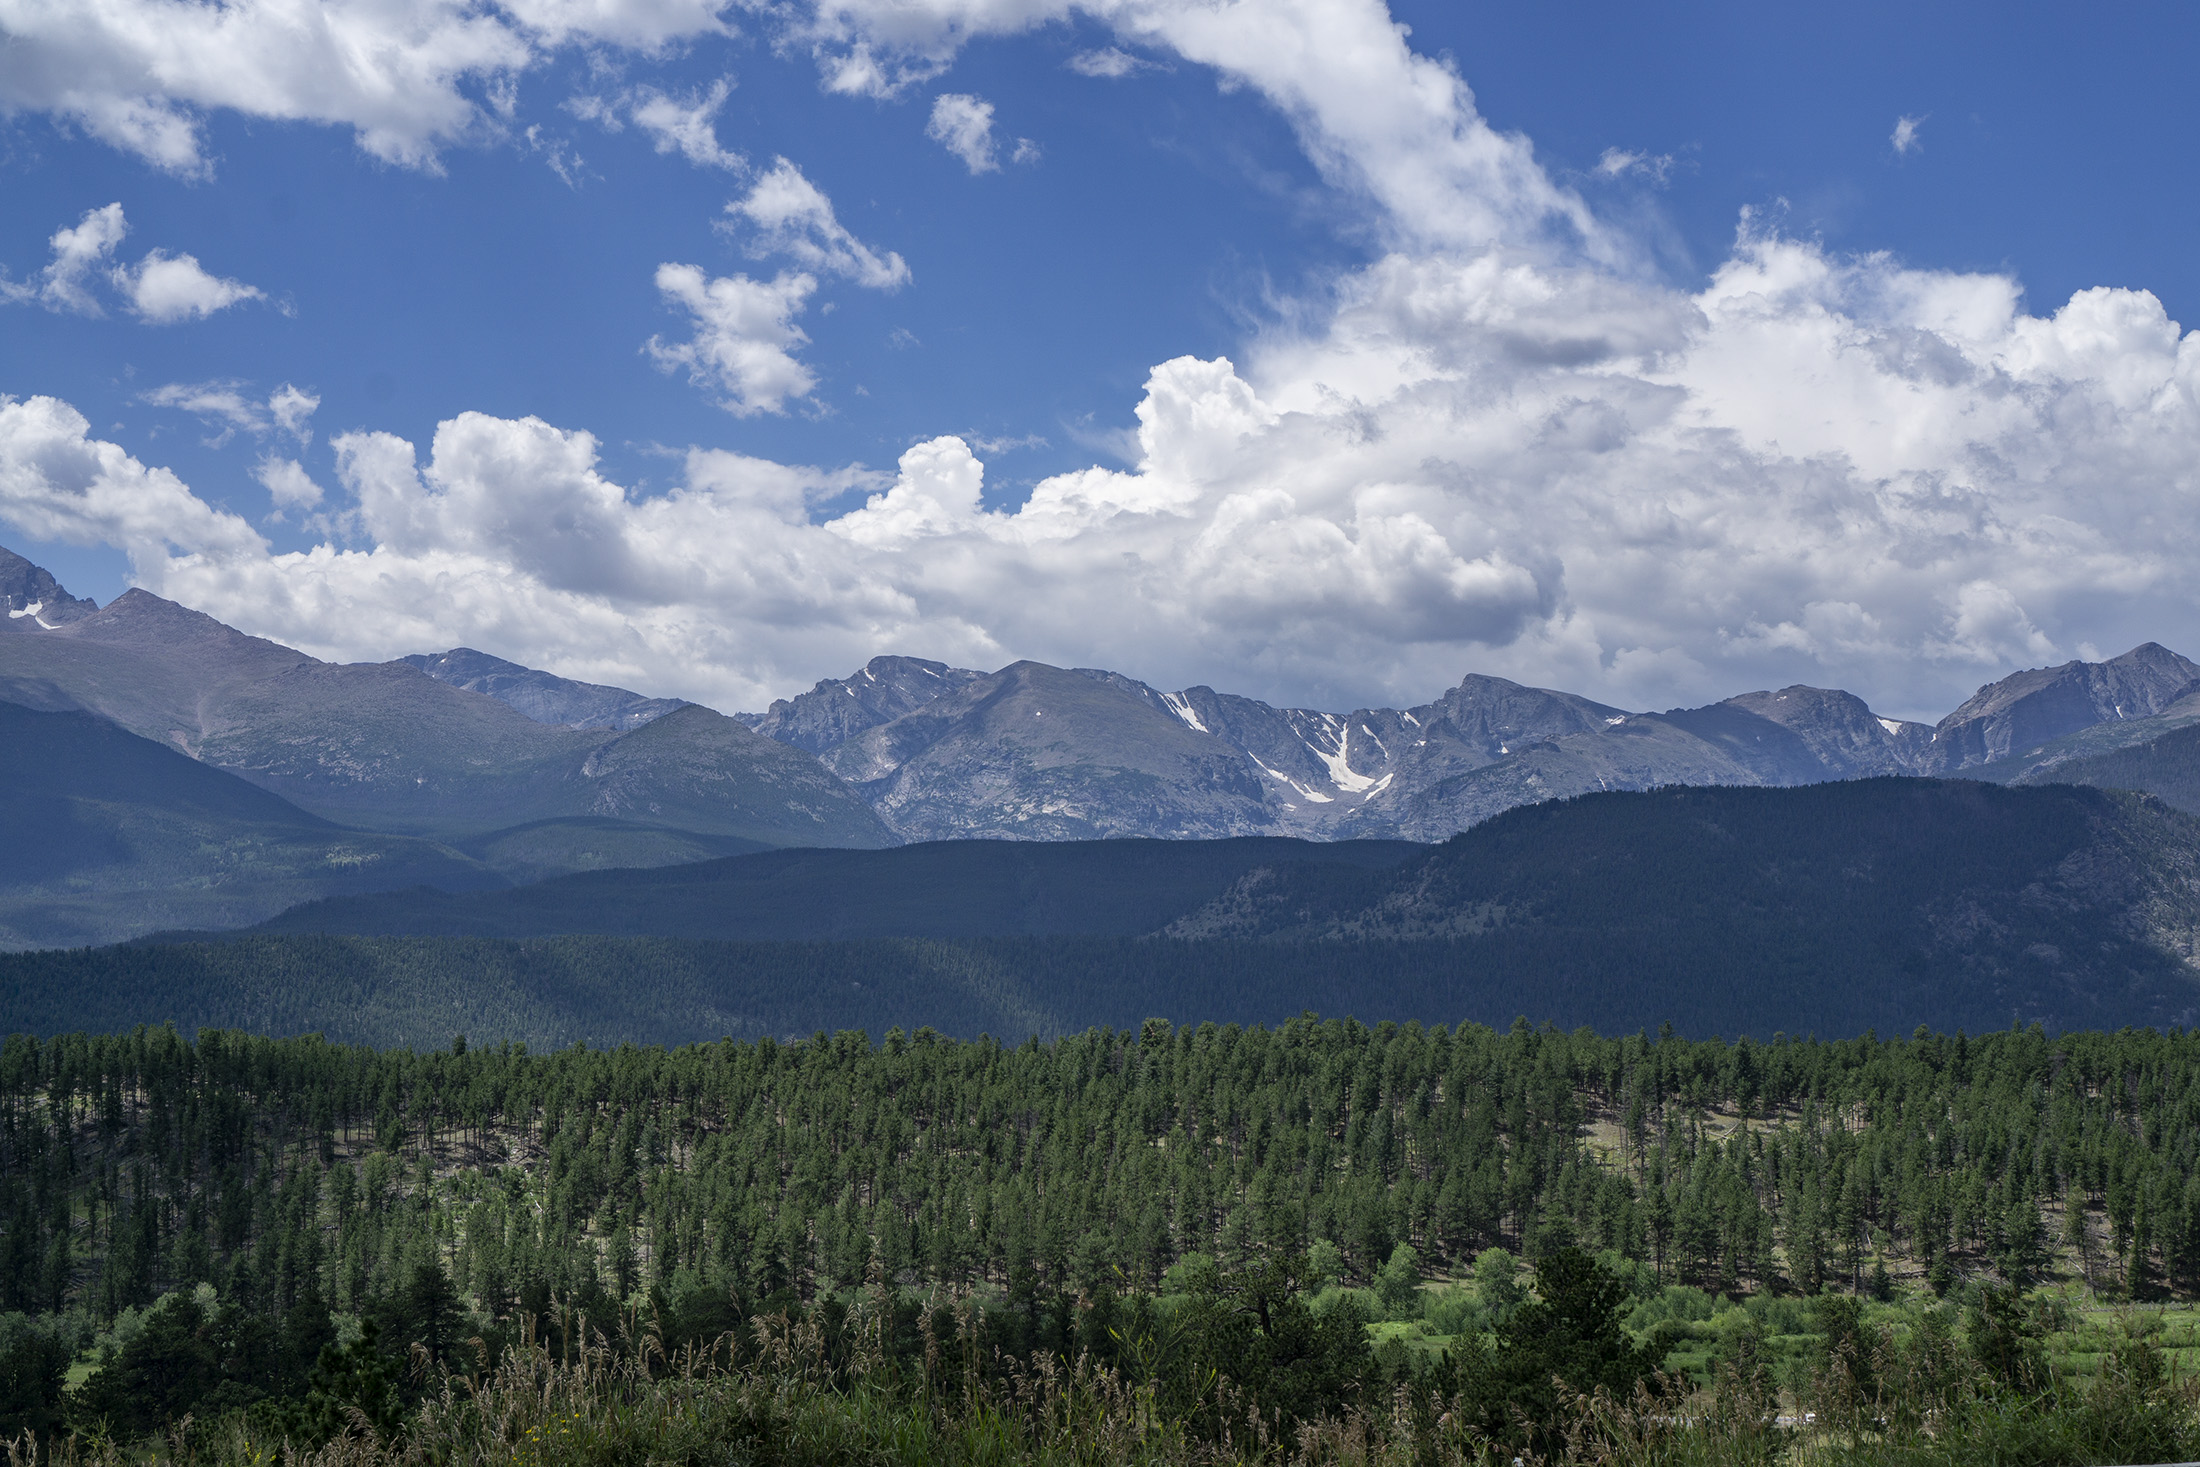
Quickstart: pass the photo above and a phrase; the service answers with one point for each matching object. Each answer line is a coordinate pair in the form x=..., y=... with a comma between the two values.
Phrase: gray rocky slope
x=2013, y=717
x=543, y=697
x=910, y=749
x=1033, y=751
x=388, y=747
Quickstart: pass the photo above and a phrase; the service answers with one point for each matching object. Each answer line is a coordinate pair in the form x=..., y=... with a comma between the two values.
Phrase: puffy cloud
x=963, y=125
x=1904, y=139
x=936, y=493
x=402, y=74
x=1816, y=468
x=161, y=288
x=287, y=483
x=290, y=407
x=495, y=489
x=80, y=254
x=165, y=289
x=1500, y=446
x=745, y=337
x=57, y=482
x=790, y=215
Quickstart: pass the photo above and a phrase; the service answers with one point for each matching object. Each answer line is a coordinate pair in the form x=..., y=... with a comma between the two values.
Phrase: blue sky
x=2050, y=138
x=1215, y=199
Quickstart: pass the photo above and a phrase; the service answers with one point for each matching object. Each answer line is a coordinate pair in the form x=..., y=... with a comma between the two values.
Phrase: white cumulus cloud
x=160, y=288
x=80, y=254
x=165, y=289
x=744, y=340
x=404, y=75
x=287, y=483
x=745, y=344
x=290, y=406
x=57, y=482
x=1501, y=445
x=787, y=214
x=1904, y=139
x=1816, y=468
x=963, y=125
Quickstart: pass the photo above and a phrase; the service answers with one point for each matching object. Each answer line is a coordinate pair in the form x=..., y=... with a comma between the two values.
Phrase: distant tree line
x=1841, y=974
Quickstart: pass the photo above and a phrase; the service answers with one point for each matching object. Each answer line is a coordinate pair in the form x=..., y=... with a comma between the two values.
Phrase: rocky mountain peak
x=30, y=593
x=2013, y=716
x=542, y=696
x=1840, y=730
x=838, y=709
x=184, y=639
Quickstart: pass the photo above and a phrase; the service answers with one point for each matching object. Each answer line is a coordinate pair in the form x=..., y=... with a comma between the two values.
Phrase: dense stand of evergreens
x=2168, y=766
x=605, y=991
x=950, y=889
x=207, y=1219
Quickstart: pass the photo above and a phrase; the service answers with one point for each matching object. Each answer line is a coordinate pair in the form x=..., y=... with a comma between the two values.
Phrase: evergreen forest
x=1318, y=1241
x=553, y=992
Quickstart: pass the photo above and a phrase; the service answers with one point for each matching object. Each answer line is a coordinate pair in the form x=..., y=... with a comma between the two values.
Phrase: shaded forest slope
x=2072, y=904
x=970, y=888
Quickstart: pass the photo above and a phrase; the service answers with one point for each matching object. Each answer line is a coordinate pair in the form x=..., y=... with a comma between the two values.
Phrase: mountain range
x=111, y=834
x=503, y=774
x=415, y=747
x=1039, y=752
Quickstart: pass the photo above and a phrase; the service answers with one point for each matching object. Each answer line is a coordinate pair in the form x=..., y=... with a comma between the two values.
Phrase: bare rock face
x=542, y=696
x=30, y=591
x=1845, y=738
x=931, y=747
x=838, y=709
x=1038, y=752
x=2011, y=718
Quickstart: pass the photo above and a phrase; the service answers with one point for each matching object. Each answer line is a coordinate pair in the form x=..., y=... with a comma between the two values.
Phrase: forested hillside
x=2168, y=766
x=554, y=992
x=1829, y=909
x=966, y=888
x=2072, y=904
x=442, y=1196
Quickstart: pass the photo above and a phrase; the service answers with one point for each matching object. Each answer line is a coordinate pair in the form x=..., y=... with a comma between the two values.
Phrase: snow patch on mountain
x=1341, y=772
x=1182, y=708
